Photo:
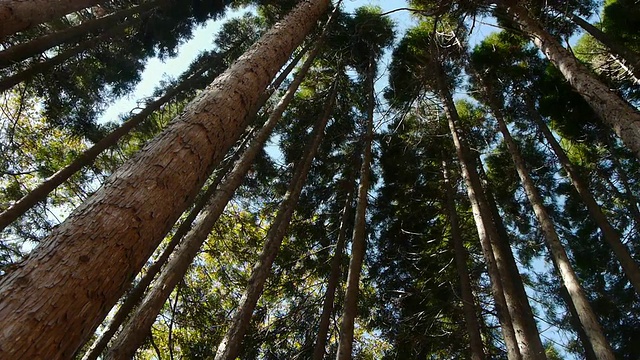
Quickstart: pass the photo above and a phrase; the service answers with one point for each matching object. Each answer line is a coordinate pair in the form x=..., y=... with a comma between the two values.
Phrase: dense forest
x=319, y=183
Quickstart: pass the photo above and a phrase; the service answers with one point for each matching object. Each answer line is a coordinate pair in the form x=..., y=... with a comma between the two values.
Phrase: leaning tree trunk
x=468, y=302
x=231, y=343
x=359, y=242
x=587, y=316
x=334, y=276
x=611, y=235
x=23, y=51
x=613, y=110
x=528, y=339
x=54, y=300
x=88, y=156
x=19, y=15
x=589, y=354
x=139, y=325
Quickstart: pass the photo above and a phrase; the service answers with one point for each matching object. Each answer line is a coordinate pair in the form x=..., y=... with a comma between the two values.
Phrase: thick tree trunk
x=48, y=64
x=88, y=156
x=23, y=51
x=230, y=346
x=528, y=339
x=586, y=314
x=139, y=325
x=631, y=58
x=359, y=241
x=613, y=110
x=54, y=300
x=334, y=277
x=611, y=235
x=19, y=15
x=468, y=302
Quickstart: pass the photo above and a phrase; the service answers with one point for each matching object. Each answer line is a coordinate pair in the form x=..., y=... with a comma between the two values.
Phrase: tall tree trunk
x=136, y=330
x=59, y=295
x=334, y=276
x=461, y=256
x=586, y=314
x=589, y=354
x=528, y=339
x=19, y=15
x=23, y=51
x=359, y=241
x=230, y=345
x=611, y=235
x=48, y=64
x=613, y=110
x=88, y=156
x=631, y=57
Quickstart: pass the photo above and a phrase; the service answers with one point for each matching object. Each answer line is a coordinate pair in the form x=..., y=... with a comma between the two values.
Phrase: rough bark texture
x=613, y=110
x=528, y=339
x=23, y=51
x=88, y=156
x=18, y=15
x=359, y=241
x=334, y=278
x=468, y=302
x=54, y=300
x=230, y=345
x=139, y=325
x=610, y=234
x=587, y=317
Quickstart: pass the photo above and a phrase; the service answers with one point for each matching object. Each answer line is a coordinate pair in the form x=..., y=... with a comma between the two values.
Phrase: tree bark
x=139, y=325
x=468, y=302
x=561, y=261
x=54, y=300
x=19, y=15
x=610, y=234
x=231, y=344
x=359, y=241
x=613, y=110
x=334, y=277
x=23, y=51
x=88, y=156
x=526, y=333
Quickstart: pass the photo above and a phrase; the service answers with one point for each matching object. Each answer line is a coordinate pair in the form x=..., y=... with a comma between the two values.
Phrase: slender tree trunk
x=629, y=56
x=528, y=339
x=48, y=64
x=19, y=15
x=23, y=51
x=334, y=277
x=613, y=110
x=54, y=300
x=88, y=156
x=359, y=241
x=461, y=256
x=589, y=354
x=611, y=235
x=231, y=344
x=136, y=330
x=586, y=314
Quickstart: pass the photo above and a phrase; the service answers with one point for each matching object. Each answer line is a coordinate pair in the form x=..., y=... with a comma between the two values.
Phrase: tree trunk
x=48, y=64
x=528, y=339
x=54, y=300
x=613, y=110
x=359, y=241
x=230, y=345
x=88, y=156
x=334, y=277
x=611, y=235
x=586, y=314
x=19, y=15
x=461, y=256
x=139, y=325
x=23, y=51
x=631, y=58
